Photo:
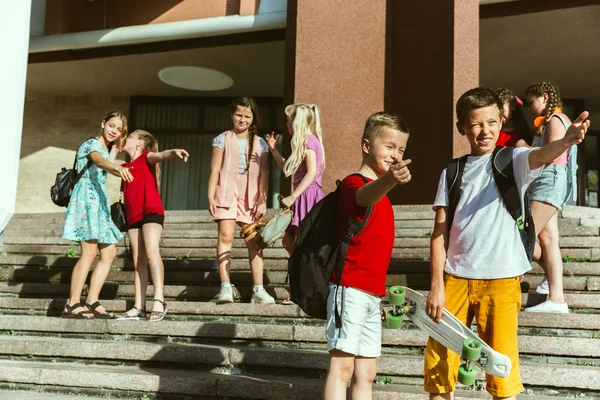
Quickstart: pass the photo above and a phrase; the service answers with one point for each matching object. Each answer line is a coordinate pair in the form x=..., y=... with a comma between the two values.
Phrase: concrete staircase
x=240, y=351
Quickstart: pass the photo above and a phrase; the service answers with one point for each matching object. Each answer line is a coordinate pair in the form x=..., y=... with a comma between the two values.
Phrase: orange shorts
x=495, y=304
x=240, y=209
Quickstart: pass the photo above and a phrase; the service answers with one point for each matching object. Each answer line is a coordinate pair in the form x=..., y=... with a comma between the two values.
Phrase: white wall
x=14, y=42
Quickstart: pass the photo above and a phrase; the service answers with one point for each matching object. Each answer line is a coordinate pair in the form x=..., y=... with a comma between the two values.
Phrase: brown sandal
x=97, y=314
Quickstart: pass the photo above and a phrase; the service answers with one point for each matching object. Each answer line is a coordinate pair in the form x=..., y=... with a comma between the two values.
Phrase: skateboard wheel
x=396, y=295
x=467, y=374
x=394, y=321
x=471, y=350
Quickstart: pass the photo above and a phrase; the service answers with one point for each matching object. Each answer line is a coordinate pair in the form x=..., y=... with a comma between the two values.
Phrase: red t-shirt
x=508, y=138
x=141, y=196
x=369, y=252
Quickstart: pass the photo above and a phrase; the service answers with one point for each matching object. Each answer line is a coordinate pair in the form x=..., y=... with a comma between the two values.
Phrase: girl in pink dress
x=305, y=165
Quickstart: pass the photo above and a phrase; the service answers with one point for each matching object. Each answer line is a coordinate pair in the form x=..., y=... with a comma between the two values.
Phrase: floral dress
x=88, y=214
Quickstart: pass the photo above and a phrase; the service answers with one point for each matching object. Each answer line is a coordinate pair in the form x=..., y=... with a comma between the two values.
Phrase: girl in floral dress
x=88, y=218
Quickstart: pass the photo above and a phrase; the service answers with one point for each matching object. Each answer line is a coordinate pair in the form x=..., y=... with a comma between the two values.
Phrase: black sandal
x=159, y=314
x=139, y=315
x=80, y=315
x=104, y=315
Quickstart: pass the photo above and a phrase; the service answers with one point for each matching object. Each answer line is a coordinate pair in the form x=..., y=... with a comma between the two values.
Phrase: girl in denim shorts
x=550, y=192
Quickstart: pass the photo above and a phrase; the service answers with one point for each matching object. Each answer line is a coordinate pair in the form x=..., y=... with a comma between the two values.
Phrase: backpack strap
x=502, y=167
x=87, y=166
x=454, y=174
x=504, y=176
x=353, y=228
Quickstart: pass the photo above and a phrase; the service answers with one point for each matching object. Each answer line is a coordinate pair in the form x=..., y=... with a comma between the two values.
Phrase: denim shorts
x=552, y=186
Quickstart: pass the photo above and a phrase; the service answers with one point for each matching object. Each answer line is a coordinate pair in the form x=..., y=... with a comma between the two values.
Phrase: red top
x=508, y=138
x=369, y=252
x=141, y=196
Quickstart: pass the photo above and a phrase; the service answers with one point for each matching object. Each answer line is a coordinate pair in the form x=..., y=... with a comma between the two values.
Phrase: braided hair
x=554, y=100
x=248, y=102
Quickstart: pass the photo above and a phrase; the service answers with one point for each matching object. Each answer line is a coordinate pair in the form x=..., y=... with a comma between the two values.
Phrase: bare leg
x=108, y=253
x=365, y=371
x=224, y=244
x=444, y=396
x=340, y=371
x=289, y=239
x=553, y=264
x=255, y=256
x=140, y=264
x=151, y=234
x=80, y=272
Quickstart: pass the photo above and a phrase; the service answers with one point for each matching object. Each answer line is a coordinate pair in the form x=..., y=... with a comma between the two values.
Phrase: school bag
x=502, y=167
x=317, y=251
x=65, y=181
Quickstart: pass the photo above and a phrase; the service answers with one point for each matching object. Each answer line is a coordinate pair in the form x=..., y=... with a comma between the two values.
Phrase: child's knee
x=547, y=238
x=226, y=237
x=366, y=373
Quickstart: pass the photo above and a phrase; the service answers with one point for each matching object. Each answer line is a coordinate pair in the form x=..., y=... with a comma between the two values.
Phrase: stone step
x=136, y=381
x=585, y=345
x=415, y=280
x=566, y=322
x=399, y=243
x=421, y=253
x=19, y=261
x=578, y=301
x=246, y=358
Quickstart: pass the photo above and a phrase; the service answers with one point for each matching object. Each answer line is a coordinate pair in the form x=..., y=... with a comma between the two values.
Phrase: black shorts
x=150, y=218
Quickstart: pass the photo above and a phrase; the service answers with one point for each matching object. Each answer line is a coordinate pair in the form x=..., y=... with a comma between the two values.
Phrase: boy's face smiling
x=482, y=127
x=387, y=147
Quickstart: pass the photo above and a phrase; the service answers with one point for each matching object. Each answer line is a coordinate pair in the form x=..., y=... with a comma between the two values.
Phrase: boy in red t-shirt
x=354, y=348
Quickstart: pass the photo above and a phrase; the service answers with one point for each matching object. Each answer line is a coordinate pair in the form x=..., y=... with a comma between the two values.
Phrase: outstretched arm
x=165, y=155
x=110, y=166
x=372, y=192
x=575, y=135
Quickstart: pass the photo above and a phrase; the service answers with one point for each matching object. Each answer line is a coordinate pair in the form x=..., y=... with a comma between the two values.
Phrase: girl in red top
x=509, y=135
x=145, y=218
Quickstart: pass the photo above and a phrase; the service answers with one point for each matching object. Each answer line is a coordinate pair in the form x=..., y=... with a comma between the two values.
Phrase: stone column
x=432, y=58
x=335, y=58
x=14, y=42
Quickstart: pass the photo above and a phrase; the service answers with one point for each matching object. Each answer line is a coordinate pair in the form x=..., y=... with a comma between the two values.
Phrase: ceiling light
x=195, y=78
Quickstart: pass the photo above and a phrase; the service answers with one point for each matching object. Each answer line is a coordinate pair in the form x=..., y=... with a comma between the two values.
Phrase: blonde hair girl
x=305, y=164
x=88, y=218
x=237, y=193
x=145, y=219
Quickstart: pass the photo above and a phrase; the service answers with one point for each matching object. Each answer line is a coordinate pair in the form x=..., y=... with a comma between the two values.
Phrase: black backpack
x=60, y=192
x=502, y=167
x=317, y=251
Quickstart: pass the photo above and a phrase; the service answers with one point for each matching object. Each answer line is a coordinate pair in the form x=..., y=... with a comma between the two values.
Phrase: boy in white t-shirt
x=478, y=276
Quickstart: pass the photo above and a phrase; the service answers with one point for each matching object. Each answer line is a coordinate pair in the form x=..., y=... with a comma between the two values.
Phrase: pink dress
x=314, y=192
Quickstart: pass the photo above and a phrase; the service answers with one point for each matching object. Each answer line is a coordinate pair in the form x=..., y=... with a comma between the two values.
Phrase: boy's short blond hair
x=381, y=120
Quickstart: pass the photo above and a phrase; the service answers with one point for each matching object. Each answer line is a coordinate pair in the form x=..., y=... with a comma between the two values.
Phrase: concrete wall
x=53, y=128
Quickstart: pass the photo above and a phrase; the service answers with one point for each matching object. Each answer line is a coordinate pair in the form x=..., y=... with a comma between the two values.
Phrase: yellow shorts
x=495, y=304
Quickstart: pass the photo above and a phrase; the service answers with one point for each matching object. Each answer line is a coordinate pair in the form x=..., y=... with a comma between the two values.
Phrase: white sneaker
x=543, y=288
x=261, y=296
x=225, y=295
x=236, y=293
x=549, y=307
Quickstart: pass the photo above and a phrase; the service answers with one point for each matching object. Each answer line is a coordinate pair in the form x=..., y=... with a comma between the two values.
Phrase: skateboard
x=450, y=332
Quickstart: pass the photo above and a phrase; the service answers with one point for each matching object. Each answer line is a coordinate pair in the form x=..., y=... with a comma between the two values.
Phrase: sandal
x=97, y=314
x=139, y=315
x=287, y=302
x=80, y=315
x=159, y=314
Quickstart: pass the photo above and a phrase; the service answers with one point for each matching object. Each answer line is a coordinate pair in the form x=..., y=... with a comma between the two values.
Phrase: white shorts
x=360, y=312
